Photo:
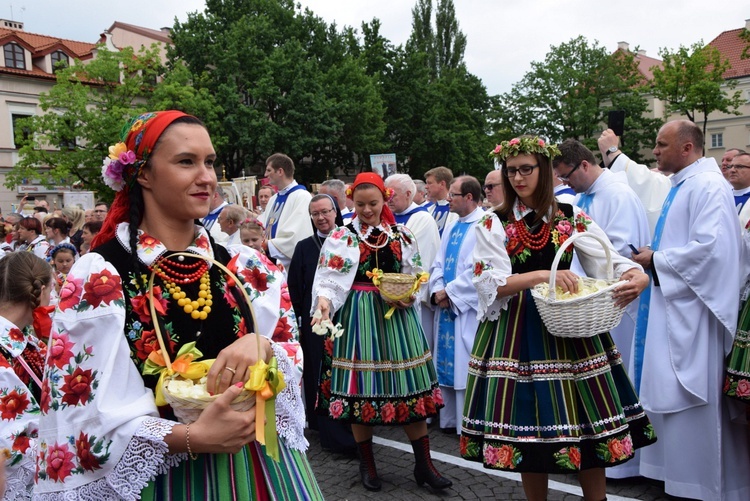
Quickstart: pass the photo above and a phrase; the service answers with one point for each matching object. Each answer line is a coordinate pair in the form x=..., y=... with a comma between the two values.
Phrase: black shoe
x=449, y=431
x=367, y=471
x=424, y=470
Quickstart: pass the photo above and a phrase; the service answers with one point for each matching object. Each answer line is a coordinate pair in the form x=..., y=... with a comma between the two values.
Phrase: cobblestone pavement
x=338, y=475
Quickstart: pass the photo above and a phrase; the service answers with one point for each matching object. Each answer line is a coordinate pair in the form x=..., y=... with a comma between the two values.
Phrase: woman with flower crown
x=535, y=403
x=102, y=434
x=26, y=282
x=380, y=371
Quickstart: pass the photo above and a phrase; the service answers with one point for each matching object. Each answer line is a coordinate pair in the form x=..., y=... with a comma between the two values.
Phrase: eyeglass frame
x=491, y=186
x=566, y=178
x=737, y=167
x=452, y=195
x=510, y=172
x=324, y=213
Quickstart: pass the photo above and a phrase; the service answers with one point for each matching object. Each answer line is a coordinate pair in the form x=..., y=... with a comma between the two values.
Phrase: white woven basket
x=187, y=410
x=583, y=316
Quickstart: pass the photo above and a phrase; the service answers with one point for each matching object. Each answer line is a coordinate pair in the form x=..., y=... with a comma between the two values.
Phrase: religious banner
x=383, y=164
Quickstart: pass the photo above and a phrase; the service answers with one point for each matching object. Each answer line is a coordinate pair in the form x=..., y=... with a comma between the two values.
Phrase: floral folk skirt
x=540, y=403
x=379, y=372
x=737, y=381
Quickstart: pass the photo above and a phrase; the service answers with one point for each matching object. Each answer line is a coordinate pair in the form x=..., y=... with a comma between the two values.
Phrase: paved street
x=338, y=475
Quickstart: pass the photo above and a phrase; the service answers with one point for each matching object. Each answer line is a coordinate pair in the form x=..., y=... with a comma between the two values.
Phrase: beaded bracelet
x=187, y=441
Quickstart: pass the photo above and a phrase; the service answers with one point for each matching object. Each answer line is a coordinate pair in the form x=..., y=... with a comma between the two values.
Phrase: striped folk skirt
x=379, y=372
x=737, y=381
x=540, y=403
x=246, y=476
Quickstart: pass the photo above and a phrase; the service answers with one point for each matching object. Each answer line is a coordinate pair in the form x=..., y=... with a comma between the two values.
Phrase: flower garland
x=122, y=166
x=524, y=145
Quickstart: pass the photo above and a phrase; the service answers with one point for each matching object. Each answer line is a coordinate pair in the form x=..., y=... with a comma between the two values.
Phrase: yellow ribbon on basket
x=267, y=381
x=185, y=365
x=377, y=276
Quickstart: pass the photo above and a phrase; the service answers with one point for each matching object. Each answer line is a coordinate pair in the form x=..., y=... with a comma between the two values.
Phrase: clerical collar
x=288, y=187
x=321, y=234
x=740, y=192
x=469, y=215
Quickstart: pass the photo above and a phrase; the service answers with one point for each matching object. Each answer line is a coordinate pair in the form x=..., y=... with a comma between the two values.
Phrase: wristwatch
x=611, y=150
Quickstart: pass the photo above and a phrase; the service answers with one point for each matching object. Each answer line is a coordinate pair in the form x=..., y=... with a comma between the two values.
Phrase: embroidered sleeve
x=94, y=402
x=411, y=259
x=491, y=266
x=590, y=252
x=337, y=266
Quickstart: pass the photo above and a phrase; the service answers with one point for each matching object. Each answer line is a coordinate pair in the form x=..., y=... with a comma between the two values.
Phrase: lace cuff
x=146, y=456
x=19, y=480
x=490, y=305
x=290, y=414
x=333, y=292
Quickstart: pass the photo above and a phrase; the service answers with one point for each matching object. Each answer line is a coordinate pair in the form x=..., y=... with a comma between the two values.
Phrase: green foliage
x=569, y=94
x=691, y=81
x=83, y=115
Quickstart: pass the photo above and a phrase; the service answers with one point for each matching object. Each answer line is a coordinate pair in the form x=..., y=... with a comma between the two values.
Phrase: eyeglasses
x=491, y=186
x=324, y=213
x=525, y=170
x=100, y=210
x=567, y=177
x=737, y=166
x=452, y=195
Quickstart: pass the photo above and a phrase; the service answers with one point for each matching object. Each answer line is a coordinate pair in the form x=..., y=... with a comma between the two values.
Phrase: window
x=717, y=140
x=25, y=130
x=14, y=57
x=59, y=60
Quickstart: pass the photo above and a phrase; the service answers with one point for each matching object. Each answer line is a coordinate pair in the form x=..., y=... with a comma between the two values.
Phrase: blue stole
x=440, y=214
x=428, y=205
x=212, y=217
x=446, y=337
x=566, y=191
x=584, y=201
x=403, y=218
x=740, y=200
x=641, y=324
x=272, y=223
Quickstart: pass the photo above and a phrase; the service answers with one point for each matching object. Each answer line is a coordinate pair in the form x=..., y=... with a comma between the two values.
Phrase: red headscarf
x=386, y=216
x=139, y=135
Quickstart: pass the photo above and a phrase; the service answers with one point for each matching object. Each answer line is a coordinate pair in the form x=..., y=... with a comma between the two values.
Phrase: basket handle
x=568, y=243
x=152, y=308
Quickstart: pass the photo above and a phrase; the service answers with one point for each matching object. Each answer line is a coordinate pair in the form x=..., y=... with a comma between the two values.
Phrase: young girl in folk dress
x=102, y=435
x=380, y=371
x=251, y=234
x=25, y=287
x=536, y=403
x=63, y=256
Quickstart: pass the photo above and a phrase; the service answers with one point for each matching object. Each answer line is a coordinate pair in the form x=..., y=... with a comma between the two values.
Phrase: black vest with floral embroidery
x=387, y=259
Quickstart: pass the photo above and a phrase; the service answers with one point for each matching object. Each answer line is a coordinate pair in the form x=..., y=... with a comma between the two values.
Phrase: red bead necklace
x=199, y=308
x=168, y=271
x=533, y=242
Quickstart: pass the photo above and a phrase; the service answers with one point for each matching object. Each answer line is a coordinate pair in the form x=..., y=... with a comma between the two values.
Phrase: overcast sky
x=503, y=37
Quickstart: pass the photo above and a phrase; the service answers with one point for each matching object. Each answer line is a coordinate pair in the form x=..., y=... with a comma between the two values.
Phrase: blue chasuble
x=272, y=222
x=403, y=218
x=440, y=214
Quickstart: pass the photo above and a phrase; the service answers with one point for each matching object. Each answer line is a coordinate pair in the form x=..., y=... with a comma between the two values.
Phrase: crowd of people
x=93, y=306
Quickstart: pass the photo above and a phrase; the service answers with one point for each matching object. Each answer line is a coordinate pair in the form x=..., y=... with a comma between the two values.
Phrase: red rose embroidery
x=402, y=412
x=15, y=334
x=325, y=388
x=59, y=462
x=241, y=328
x=368, y=413
x=60, y=351
x=77, y=387
x=13, y=404
x=148, y=343
x=286, y=300
x=395, y=246
x=4, y=363
x=478, y=269
x=336, y=262
x=21, y=443
x=336, y=409
x=201, y=242
x=429, y=405
x=328, y=346
x=102, y=288
x=147, y=241
x=574, y=455
x=419, y=408
x=364, y=252
x=70, y=294
x=488, y=223
x=141, y=306
x=83, y=451
x=388, y=413
x=256, y=278
x=45, y=400
x=283, y=331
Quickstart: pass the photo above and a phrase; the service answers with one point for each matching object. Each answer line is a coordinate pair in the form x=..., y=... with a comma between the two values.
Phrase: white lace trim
x=19, y=481
x=146, y=456
x=335, y=292
x=490, y=306
x=290, y=414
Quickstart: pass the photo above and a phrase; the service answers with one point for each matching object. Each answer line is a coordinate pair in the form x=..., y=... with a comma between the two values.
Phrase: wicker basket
x=187, y=410
x=396, y=286
x=584, y=316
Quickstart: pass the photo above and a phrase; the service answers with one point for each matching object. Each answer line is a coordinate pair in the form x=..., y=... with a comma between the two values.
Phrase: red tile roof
x=731, y=45
x=41, y=45
x=645, y=63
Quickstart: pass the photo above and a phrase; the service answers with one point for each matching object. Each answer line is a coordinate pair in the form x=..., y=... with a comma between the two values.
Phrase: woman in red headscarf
x=102, y=434
x=380, y=371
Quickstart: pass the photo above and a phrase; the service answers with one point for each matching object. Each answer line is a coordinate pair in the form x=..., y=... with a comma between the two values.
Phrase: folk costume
x=21, y=369
x=286, y=221
x=101, y=433
x=536, y=402
x=737, y=381
x=39, y=246
x=455, y=327
x=692, y=318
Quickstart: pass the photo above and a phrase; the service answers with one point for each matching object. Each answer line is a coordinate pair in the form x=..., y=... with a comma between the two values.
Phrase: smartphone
x=616, y=122
x=632, y=247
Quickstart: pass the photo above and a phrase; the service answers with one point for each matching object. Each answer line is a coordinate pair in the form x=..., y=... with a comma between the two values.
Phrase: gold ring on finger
x=234, y=372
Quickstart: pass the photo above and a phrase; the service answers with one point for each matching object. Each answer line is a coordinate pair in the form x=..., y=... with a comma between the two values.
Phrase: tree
x=83, y=115
x=691, y=81
x=569, y=94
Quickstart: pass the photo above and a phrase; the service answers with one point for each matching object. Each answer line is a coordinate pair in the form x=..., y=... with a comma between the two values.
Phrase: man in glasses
x=493, y=187
x=726, y=160
x=738, y=175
